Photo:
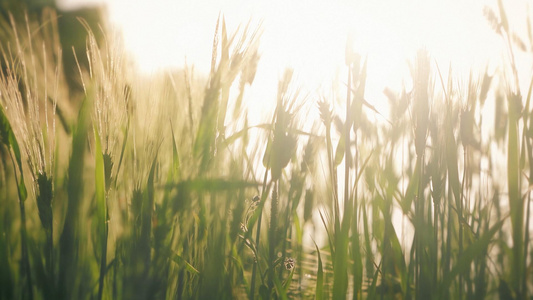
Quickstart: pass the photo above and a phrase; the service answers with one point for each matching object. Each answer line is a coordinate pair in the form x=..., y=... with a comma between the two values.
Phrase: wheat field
x=118, y=185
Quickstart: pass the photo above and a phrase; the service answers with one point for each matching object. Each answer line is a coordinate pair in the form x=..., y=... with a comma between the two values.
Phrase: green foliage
x=163, y=199
x=9, y=141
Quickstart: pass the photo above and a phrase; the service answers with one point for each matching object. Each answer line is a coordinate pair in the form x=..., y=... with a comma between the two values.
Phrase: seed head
x=289, y=263
x=244, y=228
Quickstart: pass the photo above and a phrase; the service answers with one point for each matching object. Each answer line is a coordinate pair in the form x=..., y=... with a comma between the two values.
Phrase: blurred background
x=308, y=36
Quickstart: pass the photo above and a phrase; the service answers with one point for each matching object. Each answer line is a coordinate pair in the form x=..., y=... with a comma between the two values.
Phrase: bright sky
x=310, y=36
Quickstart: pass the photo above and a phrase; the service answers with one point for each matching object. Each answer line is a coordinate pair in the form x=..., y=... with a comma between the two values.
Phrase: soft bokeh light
x=310, y=37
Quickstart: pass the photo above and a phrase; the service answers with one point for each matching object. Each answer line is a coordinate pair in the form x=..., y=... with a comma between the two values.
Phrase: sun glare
x=310, y=37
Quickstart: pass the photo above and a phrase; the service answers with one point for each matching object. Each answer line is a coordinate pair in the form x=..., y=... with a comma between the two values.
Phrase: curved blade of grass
x=101, y=209
x=99, y=181
x=70, y=237
x=330, y=240
x=175, y=155
x=287, y=283
x=397, y=255
x=256, y=217
x=319, y=292
x=7, y=136
x=180, y=261
x=280, y=289
x=146, y=216
x=339, y=152
x=122, y=151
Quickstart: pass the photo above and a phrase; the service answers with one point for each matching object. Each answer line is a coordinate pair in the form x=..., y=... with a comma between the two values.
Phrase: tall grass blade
x=319, y=290
x=516, y=203
x=477, y=249
x=101, y=209
x=70, y=236
x=9, y=140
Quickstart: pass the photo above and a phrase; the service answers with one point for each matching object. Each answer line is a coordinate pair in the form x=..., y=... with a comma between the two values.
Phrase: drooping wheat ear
x=493, y=20
x=326, y=114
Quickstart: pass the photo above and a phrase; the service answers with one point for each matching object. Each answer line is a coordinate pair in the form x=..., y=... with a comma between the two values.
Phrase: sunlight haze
x=310, y=37
x=244, y=149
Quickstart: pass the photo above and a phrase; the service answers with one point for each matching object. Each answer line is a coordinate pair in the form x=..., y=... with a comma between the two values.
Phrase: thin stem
x=257, y=236
x=418, y=227
x=23, y=235
x=273, y=234
x=347, y=153
x=103, y=262
x=460, y=218
x=526, y=245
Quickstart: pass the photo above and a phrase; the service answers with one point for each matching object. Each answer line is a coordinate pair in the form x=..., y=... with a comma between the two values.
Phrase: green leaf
x=99, y=181
x=280, y=289
x=475, y=250
x=175, y=156
x=287, y=283
x=319, y=277
x=451, y=158
x=70, y=237
x=339, y=153
x=398, y=256
x=412, y=188
x=516, y=203
x=7, y=136
x=124, y=143
x=340, y=266
x=101, y=206
x=183, y=263
x=244, y=132
x=268, y=153
x=485, y=85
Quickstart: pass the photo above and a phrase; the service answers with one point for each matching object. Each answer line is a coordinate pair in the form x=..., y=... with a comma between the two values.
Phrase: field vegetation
x=118, y=186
